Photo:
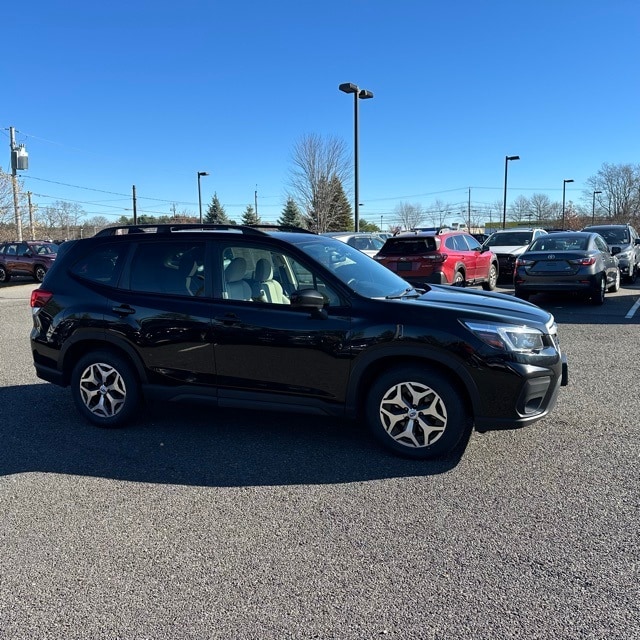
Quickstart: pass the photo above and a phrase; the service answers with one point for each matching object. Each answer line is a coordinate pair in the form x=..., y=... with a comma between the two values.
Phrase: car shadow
x=204, y=446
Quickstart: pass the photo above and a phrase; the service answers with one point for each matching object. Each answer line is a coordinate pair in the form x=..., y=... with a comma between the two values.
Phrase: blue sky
x=108, y=95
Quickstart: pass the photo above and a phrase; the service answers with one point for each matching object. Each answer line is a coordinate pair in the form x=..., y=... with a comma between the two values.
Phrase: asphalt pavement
x=204, y=523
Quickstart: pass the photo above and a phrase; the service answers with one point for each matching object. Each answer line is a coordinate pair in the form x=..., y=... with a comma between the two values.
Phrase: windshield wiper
x=409, y=292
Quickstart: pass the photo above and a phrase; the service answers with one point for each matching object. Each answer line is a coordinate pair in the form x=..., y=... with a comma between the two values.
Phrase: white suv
x=508, y=245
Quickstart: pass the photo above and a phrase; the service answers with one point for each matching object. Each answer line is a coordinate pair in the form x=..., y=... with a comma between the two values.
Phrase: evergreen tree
x=340, y=217
x=215, y=212
x=250, y=216
x=291, y=216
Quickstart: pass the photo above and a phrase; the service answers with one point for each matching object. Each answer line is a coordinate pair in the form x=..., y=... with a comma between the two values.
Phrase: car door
x=278, y=352
x=483, y=258
x=160, y=305
x=460, y=252
x=610, y=262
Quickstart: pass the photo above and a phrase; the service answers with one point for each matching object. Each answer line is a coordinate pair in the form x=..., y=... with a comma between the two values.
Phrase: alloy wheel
x=413, y=414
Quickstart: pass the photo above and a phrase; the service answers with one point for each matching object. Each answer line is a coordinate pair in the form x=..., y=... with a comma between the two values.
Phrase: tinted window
x=613, y=235
x=408, y=246
x=101, y=265
x=169, y=267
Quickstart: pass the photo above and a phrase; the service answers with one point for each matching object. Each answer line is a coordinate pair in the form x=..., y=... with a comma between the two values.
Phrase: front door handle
x=123, y=310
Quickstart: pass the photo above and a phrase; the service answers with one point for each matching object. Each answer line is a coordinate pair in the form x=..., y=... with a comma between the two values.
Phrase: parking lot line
x=633, y=309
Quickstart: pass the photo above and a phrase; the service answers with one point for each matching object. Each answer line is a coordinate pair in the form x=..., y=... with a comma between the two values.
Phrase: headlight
x=625, y=255
x=509, y=337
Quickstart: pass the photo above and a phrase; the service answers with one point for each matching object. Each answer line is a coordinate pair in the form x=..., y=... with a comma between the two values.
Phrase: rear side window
x=174, y=267
x=102, y=264
x=408, y=246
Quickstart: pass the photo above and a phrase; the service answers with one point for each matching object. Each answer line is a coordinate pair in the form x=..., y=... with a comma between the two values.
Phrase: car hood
x=498, y=306
x=509, y=248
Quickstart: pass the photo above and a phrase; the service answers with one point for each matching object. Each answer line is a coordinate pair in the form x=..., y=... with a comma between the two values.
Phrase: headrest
x=235, y=270
x=264, y=270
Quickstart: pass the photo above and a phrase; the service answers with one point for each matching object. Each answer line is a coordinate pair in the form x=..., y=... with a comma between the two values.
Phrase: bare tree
x=438, y=212
x=620, y=187
x=319, y=165
x=410, y=215
x=520, y=210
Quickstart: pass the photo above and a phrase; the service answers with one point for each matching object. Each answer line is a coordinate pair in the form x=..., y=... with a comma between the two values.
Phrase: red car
x=448, y=257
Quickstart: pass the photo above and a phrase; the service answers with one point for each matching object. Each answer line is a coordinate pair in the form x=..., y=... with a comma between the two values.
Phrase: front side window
x=254, y=273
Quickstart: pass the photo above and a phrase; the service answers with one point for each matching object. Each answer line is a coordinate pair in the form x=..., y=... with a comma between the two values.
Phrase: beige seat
x=236, y=288
x=268, y=289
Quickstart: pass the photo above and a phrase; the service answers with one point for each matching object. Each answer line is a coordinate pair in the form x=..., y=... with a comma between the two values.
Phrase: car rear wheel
x=105, y=389
x=4, y=275
x=417, y=413
x=492, y=279
x=597, y=295
x=616, y=283
x=458, y=279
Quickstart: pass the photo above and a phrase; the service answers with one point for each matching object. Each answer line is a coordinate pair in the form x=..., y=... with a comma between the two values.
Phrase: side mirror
x=615, y=250
x=637, y=241
x=307, y=299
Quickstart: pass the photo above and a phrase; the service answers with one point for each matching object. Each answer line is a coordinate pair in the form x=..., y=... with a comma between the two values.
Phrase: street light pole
x=504, y=200
x=593, y=207
x=362, y=94
x=564, y=188
x=200, y=174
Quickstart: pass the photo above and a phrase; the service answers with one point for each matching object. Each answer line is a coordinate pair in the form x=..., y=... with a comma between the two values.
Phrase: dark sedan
x=567, y=262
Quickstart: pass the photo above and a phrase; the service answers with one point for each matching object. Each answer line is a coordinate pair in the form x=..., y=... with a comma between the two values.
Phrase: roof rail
x=164, y=228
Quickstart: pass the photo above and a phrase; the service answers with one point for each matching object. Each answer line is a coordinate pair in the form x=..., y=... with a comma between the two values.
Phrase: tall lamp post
x=362, y=94
x=200, y=174
x=564, y=190
x=593, y=207
x=504, y=200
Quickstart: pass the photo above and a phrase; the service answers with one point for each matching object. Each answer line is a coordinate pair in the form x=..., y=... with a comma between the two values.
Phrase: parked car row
x=534, y=260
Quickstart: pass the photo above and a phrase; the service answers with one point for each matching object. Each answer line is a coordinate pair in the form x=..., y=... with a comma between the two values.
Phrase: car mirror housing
x=308, y=298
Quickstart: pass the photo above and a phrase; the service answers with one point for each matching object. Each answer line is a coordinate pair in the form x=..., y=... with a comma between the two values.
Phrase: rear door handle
x=228, y=320
x=123, y=310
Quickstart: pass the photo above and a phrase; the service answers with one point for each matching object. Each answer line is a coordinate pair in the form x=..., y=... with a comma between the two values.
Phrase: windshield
x=354, y=268
x=45, y=248
x=510, y=239
x=612, y=236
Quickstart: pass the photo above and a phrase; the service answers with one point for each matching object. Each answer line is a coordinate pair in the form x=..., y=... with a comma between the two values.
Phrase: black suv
x=27, y=258
x=624, y=243
x=287, y=320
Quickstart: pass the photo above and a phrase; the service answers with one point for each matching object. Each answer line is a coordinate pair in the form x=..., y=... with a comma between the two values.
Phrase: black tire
x=458, y=279
x=5, y=276
x=522, y=295
x=39, y=273
x=105, y=389
x=616, y=285
x=633, y=274
x=597, y=295
x=492, y=279
x=414, y=398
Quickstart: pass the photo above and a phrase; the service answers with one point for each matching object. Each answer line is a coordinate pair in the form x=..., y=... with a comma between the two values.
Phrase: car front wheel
x=105, y=389
x=4, y=274
x=39, y=273
x=417, y=413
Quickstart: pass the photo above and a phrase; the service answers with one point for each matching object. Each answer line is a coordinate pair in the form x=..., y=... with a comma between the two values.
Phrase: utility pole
x=255, y=197
x=31, y=224
x=19, y=160
x=135, y=211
